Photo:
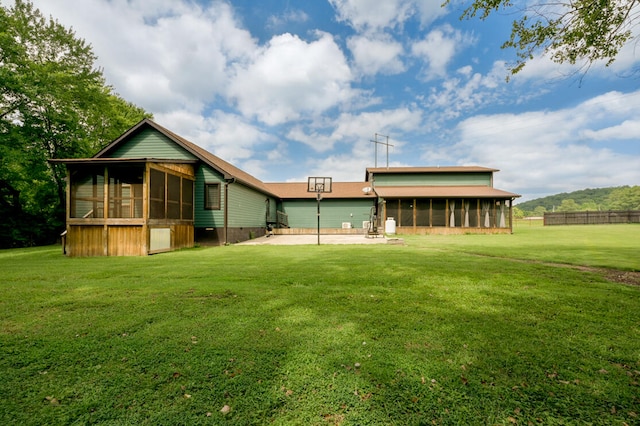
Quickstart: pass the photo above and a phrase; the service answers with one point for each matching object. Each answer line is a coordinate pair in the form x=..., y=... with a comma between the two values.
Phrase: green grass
x=446, y=330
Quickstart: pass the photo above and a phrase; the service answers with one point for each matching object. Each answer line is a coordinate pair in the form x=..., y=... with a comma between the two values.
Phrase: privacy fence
x=592, y=218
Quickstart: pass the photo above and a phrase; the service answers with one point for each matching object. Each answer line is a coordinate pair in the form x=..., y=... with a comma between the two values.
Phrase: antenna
x=376, y=143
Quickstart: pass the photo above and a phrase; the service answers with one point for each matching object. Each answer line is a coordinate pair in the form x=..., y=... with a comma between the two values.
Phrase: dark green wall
x=433, y=179
x=303, y=213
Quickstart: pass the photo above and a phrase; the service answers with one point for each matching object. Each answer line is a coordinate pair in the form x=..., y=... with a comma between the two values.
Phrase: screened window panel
x=439, y=212
x=393, y=209
x=474, y=214
x=125, y=192
x=187, y=199
x=173, y=196
x=422, y=213
x=87, y=193
x=156, y=194
x=406, y=212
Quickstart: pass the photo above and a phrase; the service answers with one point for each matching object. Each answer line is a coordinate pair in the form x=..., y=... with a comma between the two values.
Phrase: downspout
x=227, y=182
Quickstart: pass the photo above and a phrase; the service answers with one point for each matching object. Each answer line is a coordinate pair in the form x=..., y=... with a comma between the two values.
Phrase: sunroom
x=128, y=207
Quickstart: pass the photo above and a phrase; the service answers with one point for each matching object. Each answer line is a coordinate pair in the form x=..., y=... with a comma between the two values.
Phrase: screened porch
x=124, y=207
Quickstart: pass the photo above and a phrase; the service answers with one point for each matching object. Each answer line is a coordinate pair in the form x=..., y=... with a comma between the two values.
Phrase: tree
x=625, y=198
x=517, y=213
x=539, y=211
x=570, y=31
x=54, y=103
x=569, y=205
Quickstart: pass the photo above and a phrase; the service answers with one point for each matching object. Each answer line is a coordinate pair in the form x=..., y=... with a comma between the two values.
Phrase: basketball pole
x=319, y=196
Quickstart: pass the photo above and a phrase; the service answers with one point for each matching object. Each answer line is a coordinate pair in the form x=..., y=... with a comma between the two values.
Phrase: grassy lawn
x=443, y=330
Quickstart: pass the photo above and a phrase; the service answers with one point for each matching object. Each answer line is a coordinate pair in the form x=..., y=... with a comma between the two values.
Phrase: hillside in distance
x=597, y=197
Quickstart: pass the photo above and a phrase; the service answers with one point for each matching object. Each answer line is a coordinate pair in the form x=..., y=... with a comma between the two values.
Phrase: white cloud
x=372, y=15
x=228, y=136
x=376, y=54
x=358, y=128
x=291, y=78
x=628, y=129
x=546, y=149
x=160, y=55
x=466, y=90
x=278, y=21
x=430, y=10
x=438, y=48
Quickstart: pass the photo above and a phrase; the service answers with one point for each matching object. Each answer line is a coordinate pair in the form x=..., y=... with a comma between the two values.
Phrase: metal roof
x=472, y=191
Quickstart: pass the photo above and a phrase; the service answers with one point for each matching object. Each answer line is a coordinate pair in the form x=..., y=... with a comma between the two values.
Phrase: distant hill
x=597, y=196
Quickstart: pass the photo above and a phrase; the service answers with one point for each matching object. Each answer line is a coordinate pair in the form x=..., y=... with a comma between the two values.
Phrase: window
x=212, y=196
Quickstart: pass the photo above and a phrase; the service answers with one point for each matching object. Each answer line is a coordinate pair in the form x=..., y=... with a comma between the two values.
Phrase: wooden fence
x=592, y=218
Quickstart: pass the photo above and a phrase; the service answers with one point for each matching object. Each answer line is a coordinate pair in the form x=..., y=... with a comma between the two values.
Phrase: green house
x=151, y=191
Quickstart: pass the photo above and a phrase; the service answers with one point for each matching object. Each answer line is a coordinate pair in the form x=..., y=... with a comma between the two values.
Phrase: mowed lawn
x=442, y=330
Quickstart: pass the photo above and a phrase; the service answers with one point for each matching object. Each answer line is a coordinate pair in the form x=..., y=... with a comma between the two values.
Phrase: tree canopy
x=597, y=199
x=568, y=31
x=54, y=103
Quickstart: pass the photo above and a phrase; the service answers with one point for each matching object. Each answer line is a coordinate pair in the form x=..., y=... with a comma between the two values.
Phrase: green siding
x=247, y=207
x=433, y=179
x=208, y=218
x=150, y=143
x=303, y=213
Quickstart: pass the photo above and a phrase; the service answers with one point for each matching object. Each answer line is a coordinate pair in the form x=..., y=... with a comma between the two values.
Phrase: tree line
x=599, y=199
x=54, y=103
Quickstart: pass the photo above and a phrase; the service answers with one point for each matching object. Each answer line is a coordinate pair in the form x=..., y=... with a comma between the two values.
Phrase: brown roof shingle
x=290, y=190
x=477, y=191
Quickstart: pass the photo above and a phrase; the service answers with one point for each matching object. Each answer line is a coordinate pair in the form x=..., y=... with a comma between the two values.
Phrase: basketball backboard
x=319, y=184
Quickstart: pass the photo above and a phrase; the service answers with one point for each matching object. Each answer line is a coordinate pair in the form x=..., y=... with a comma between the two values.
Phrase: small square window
x=212, y=196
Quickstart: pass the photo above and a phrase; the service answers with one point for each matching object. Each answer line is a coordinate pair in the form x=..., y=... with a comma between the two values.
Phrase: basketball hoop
x=319, y=185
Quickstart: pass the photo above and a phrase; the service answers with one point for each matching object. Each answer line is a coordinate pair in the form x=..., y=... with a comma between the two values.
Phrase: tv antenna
x=377, y=142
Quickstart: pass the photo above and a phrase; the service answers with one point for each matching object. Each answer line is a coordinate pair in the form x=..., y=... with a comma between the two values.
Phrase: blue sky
x=291, y=89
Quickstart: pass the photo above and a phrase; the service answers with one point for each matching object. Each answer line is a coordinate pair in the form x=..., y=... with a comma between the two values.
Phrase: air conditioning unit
x=346, y=225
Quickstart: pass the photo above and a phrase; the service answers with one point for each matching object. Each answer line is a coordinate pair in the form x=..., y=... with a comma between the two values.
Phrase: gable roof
x=227, y=170
x=298, y=190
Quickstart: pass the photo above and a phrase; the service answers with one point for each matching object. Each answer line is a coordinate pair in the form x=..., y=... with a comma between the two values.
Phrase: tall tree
x=625, y=198
x=570, y=31
x=54, y=103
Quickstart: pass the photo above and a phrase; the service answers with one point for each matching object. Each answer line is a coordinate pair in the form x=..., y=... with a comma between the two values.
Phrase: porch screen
x=170, y=196
x=173, y=197
x=187, y=199
x=406, y=213
x=422, y=212
x=87, y=193
x=439, y=212
x=125, y=192
x=156, y=194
